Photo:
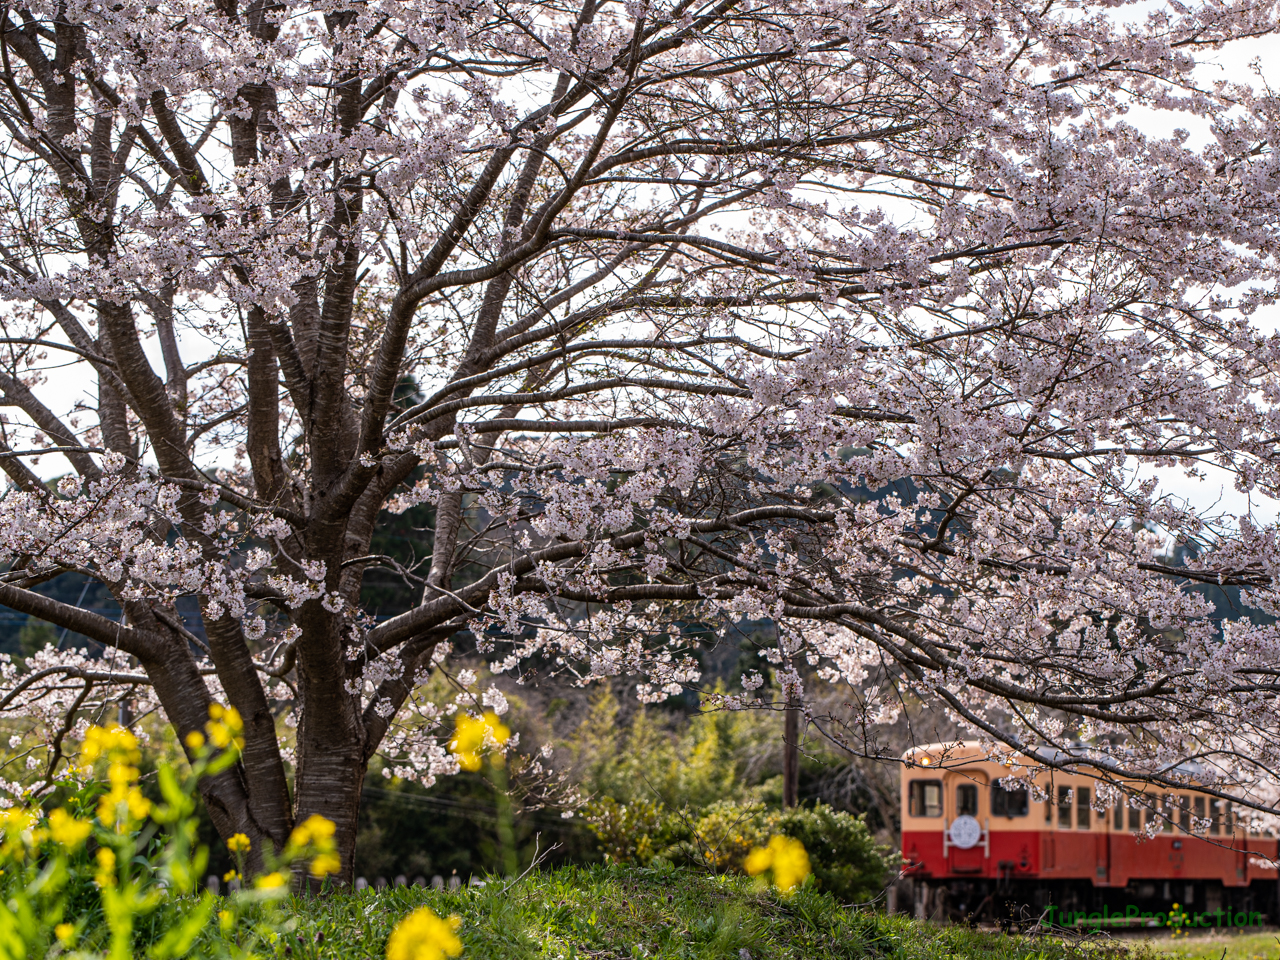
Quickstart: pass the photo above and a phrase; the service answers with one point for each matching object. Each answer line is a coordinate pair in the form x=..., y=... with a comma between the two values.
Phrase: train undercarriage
x=1077, y=904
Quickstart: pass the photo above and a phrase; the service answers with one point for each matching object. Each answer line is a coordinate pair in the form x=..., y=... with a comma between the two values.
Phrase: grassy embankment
x=581, y=913
x=1220, y=946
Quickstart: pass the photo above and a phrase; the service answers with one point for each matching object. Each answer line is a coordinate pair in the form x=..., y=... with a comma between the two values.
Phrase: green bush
x=629, y=832
x=846, y=860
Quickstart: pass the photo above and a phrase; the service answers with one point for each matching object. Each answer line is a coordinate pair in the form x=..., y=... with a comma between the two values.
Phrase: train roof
x=947, y=754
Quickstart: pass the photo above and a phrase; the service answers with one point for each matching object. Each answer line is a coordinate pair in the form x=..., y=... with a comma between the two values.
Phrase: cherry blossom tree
x=651, y=304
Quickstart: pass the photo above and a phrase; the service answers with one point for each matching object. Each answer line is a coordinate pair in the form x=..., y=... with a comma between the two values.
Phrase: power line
x=474, y=810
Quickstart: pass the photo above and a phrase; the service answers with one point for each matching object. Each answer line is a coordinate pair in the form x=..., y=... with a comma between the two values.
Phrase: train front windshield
x=925, y=797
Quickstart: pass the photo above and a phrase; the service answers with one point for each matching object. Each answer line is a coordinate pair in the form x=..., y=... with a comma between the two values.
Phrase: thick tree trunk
x=330, y=758
x=228, y=796
x=329, y=782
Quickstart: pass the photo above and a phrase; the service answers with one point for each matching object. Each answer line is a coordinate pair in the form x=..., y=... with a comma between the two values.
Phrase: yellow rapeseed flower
x=424, y=936
x=195, y=740
x=106, y=875
x=325, y=864
x=225, y=728
x=313, y=831
x=16, y=824
x=65, y=932
x=67, y=831
x=123, y=805
x=314, y=837
x=230, y=875
x=787, y=859
x=471, y=736
x=238, y=843
x=271, y=881
x=113, y=742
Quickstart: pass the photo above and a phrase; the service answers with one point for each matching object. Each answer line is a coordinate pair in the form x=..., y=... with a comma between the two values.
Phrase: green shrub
x=629, y=832
x=847, y=862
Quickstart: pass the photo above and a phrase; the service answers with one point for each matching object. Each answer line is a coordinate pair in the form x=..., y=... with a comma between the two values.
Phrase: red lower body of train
x=1217, y=881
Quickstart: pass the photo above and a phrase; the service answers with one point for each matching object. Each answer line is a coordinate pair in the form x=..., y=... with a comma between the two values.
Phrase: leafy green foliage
x=846, y=860
x=631, y=832
x=104, y=873
x=715, y=756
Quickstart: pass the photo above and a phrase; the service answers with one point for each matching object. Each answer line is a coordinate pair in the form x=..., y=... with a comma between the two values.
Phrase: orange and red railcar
x=975, y=847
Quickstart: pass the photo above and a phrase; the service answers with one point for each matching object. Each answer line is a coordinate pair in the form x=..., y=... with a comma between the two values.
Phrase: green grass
x=1211, y=946
x=592, y=913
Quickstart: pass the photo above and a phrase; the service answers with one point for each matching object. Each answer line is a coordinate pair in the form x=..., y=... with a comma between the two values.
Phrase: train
x=976, y=845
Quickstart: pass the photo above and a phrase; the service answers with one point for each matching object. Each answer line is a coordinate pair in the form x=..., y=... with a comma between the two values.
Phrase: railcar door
x=1102, y=849
x=1075, y=850
x=967, y=838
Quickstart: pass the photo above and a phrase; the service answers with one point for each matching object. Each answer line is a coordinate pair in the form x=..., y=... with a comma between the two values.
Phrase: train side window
x=1230, y=819
x=1082, y=808
x=1008, y=803
x=1215, y=816
x=1119, y=821
x=1198, y=822
x=1135, y=819
x=1184, y=811
x=1064, y=808
x=966, y=800
x=925, y=798
x=1166, y=821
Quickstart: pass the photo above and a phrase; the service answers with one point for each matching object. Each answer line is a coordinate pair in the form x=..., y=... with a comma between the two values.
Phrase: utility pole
x=791, y=754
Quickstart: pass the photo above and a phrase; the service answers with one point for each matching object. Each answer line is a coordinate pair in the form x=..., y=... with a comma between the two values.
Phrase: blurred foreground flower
x=113, y=742
x=225, y=728
x=473, y=735
x=424, y=936
x=271, y=881
x=313, y=838
x=66, y=830
x=785, y=857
